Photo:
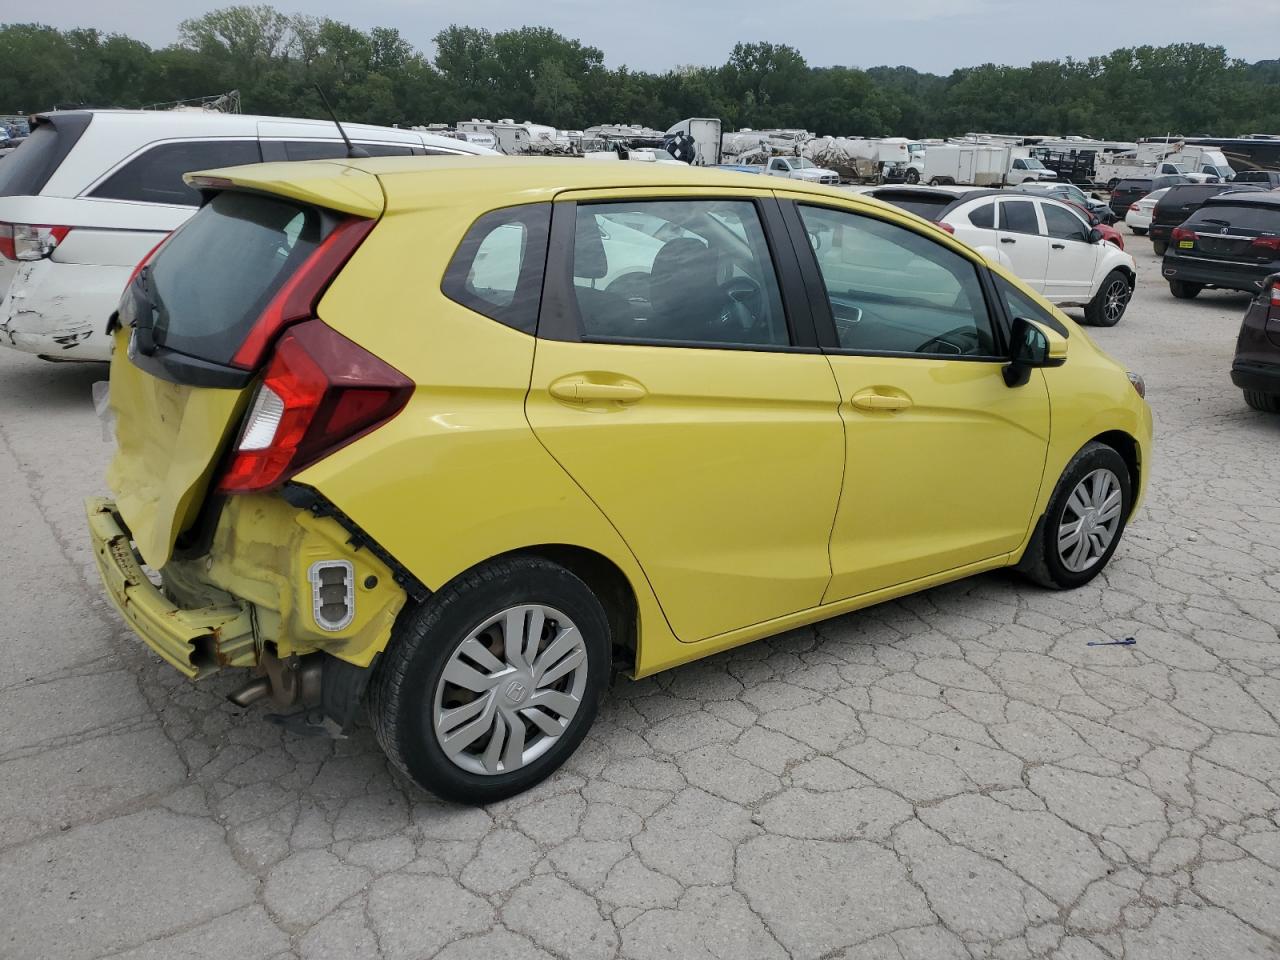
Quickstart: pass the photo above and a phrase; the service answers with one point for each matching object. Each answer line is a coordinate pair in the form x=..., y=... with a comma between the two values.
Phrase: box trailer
x=982, y=165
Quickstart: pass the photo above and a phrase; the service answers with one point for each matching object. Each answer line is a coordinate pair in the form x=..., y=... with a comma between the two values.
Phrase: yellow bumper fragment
x=196, y=642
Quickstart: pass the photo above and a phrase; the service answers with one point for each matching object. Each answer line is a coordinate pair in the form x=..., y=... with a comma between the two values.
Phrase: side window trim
x=559, y=317
x=820, y=304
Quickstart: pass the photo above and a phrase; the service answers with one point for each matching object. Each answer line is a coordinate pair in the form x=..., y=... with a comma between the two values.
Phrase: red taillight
x=1274, y=312
x=945, y=226
x=30, y=241
x=1270, y=244
x=297, y=298
x=1133, y=206
x=1182, y=233
x=320, y=392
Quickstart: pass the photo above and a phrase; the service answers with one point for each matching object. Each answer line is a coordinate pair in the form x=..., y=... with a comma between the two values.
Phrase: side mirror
x=1095, y=235
x=1030, y=347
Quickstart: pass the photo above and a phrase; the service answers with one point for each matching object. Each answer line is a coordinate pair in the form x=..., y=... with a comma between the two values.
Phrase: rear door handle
x=877, y=402
x=1008, y=240
x=580, y=390
x=1059, y=246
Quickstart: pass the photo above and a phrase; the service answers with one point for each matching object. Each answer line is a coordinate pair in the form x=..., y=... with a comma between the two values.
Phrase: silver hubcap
x=1116, y=297
x=1090, y=520
x=510, y=689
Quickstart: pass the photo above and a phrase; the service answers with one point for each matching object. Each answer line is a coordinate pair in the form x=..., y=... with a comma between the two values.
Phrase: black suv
x=1133, y=189
x=1232, y=242
x=1182, y=201
x=1256, y=368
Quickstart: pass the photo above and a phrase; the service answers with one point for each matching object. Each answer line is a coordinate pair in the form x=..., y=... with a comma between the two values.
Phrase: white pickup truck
x=801, y=168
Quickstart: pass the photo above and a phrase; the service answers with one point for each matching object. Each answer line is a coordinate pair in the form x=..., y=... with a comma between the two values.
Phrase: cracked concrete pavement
x=955, y=775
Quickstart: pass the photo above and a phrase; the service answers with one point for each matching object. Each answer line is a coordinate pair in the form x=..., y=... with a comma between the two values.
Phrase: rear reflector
x=297, y=298
x=30, y=241
x=320, y=392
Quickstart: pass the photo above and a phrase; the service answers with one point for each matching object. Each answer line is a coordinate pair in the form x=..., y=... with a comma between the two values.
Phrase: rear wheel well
x=607, y=582
x=1127, y=447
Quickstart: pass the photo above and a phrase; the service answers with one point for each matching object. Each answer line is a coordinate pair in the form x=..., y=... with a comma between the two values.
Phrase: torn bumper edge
x=194, y=642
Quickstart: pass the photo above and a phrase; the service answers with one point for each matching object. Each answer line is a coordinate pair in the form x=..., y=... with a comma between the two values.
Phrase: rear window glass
x=1131, y=185
x=155, y=175
x=928, y=207
x=497, y=270
x=25, y=172
x=1266, y=219
x=210, y=284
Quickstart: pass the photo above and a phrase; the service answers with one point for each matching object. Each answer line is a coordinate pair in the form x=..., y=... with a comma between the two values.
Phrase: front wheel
x=1084, y=521
x=490, y=685
x=1266, y=402
x=1184, y=290
x=912, y=177
x=1159, y=246
x=1110, y=302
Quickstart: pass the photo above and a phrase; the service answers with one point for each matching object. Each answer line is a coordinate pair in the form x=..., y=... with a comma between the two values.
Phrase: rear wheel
x=935, y=182
x=1159, y=246
x=1266, y=402
x=1110, y=302
x=1084, y=521
x=491, y=684
x=1139, y=231
x=1184, y=290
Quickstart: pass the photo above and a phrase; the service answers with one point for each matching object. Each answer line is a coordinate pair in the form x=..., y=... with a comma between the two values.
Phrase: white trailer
x=519, y=138
x=982, y=165
x=699, y=137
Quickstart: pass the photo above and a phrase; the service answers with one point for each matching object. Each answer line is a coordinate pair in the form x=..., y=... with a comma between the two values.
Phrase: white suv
x=91, y=192
x=1045, y=242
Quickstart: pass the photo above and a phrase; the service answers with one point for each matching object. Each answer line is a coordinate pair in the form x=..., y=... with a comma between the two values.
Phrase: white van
x=91, y=192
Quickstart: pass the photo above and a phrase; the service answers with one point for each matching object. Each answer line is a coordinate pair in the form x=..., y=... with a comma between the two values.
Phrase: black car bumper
x=1216, y=273
x=1263, y=377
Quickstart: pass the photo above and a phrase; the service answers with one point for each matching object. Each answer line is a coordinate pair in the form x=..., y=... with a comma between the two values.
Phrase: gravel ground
x=953, y=775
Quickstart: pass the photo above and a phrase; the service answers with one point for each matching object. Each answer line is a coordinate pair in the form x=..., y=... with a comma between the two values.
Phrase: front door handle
x=1008, y=240
x=581, y=390
x=878, y=402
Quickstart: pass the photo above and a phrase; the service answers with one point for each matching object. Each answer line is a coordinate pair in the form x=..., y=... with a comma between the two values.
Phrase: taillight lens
x=945, y=226
x=30, y=241
x=1134, y=206
x=1182, y=233
x=1274, y=312
x=320, y=392
x=297, y=298
x=1268, y=244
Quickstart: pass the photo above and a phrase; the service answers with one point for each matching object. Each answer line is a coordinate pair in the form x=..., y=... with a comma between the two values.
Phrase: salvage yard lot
x=956, y=774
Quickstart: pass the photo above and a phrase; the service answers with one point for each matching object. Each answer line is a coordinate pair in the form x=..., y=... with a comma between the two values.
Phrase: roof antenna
x=353, y=152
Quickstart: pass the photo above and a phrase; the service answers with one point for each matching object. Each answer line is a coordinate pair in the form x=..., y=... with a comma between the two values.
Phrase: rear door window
x=25, y=172
x=1019, y=216
x=212, y=281
x=155, y=175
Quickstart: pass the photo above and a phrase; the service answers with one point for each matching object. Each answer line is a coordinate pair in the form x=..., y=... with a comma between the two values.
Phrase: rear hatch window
x=928, y=207
x=1237, y=217
x=25, y=172
x=210, y=284
x=1234, y=231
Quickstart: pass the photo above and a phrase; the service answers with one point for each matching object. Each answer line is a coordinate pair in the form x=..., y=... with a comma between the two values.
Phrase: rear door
x=1073, y=259
x=677, y=380
x=1022, y=240
x=179, y=377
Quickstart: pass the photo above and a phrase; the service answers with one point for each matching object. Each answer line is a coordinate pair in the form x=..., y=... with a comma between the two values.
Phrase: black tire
x=1184, y=290
x=1110, y=302
x=1139, y=231
x=935, y=182
x=425, y=637
x=1159, y=246
x=911, y=177
x=1042, y=562
x=1266, y=402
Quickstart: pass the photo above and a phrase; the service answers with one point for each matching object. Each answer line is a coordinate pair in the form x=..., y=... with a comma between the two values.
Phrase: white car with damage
x=91, y=192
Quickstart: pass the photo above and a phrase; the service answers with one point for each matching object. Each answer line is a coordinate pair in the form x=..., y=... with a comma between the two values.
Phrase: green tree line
x=535, y=73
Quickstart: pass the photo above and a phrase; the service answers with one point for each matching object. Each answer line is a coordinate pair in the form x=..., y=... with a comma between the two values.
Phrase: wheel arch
x=1127, y=446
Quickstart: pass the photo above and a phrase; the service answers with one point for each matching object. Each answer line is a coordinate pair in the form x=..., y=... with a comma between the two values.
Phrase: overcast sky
x=932, y=35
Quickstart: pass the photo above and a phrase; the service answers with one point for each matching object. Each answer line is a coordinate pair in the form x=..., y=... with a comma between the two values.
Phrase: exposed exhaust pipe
x=289, y=682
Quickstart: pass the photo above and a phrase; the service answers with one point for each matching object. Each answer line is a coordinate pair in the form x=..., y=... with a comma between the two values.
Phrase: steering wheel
x=743, y=300
x=960, y=341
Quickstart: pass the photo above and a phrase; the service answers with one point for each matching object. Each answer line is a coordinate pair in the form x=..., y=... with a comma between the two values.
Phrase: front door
x=669, y=382
x=1023, y=242
x=943, y=459
x=1072, y=257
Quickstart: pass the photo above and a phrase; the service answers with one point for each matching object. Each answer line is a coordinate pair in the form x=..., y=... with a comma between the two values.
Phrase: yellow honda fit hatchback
x=454, y=437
